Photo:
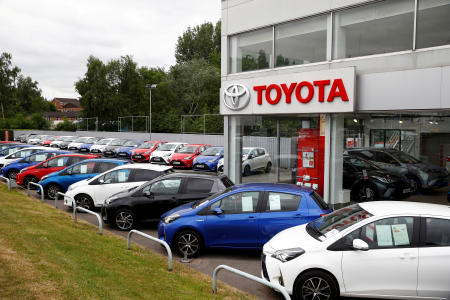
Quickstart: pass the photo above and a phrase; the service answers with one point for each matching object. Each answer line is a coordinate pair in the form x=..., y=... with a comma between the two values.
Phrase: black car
x=111, y=149
x=367, y=182
x=149, y=201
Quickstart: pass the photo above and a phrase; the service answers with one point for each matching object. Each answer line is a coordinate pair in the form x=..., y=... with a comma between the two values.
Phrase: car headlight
x=288, y=254
x=23, y=170
x=383, y=179
x=43, y=178
x=171, y=218
x=212, y=161
x=110, y=200
x=148, y=152
x=186, y=158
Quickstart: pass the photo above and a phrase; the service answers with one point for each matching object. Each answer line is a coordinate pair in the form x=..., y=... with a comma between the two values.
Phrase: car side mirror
x=250, y=156
x=45, y=165
x=217, y=211
x=101, y=181
x=69, y=172
x=359, y=244
x=148, y=194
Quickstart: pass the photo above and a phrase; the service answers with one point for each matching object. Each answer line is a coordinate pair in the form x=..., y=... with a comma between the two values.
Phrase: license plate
x=138, y=156
x=200, y=166
x=176, y=163
x=95, y=151
x=83, y=150
x=156, y=158
x=122, y=154
x=406, y=191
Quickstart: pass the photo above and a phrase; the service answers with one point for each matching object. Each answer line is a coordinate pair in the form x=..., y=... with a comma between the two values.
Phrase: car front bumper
x=159, y=160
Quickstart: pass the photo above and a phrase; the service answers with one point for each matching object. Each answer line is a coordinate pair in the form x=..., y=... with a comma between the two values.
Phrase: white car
x=100, y=145
x=164, y=152
x=220, y=165
x=255, y=159
x=384, y=249
x=35, y=139
x=75, y=145
x=93, y=192
x=60, y=140
x=19, y=154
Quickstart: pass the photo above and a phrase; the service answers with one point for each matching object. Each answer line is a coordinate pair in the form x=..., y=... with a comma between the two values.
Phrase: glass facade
x=375, y=28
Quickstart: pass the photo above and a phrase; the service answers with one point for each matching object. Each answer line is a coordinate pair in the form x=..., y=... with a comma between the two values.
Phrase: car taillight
x=323, y=215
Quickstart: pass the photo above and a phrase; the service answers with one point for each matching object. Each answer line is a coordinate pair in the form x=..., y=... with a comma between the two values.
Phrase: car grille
x=201, y=167
x=73, y=148
x=138, y=156
x=263, y=266
x=177, y=163
x=157, y=159
x=83, y=150
x=122, y=154
x=95, y=151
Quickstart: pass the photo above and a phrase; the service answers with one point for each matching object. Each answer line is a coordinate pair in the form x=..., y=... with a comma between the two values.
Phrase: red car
x=47, y=142
x=142, y=153
x=36, y=172
x=185, y=156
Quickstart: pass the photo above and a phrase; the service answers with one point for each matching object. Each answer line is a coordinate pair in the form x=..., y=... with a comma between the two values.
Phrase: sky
x=51, y=40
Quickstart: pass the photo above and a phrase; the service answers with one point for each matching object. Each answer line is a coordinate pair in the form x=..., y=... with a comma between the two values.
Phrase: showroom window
x=251, y=51
x=377, y=28
x=433, y=23
x=301, y=42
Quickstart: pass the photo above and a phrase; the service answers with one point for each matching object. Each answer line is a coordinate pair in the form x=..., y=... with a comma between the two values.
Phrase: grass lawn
x=45, y=255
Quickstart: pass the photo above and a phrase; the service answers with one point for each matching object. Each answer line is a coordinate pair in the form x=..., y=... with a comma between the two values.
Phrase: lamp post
x=150, y=87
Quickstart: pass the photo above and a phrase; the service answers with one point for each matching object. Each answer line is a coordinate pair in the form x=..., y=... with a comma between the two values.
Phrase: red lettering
x=321, y=84
x=278, y=96
x=337, y=90
x=259, y=89
x=298, y=92
x=288, y=91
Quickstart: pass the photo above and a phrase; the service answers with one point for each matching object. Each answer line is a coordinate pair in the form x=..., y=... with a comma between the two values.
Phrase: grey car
x=420, y=175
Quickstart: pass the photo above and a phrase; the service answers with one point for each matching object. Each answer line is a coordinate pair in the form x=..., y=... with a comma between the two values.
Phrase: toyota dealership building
x=310, y=80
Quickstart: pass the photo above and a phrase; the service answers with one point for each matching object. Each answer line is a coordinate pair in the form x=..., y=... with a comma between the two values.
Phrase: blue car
x=208, y=160
x=11, y=149
x=244, y=216
x=127, y=149
x=11, y=170
x=61, y=180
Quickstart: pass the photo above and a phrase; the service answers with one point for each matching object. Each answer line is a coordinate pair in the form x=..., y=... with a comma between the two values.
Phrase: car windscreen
x=404, y=158
x=117, y=142
x=103, y=142
x=360, y=164
x=167, y=147
x=90, y=141
x=69, y=138
x=188, y=149
x=212, y=151
x=130, y=144
x=146, y=146
x=337, y=221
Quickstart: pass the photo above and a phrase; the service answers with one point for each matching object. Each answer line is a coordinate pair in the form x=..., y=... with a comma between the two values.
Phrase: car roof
x=281, y=187
x=196, y=145
x=188, y=173
x=153, y=167
x=379, y=208
x=103, y=160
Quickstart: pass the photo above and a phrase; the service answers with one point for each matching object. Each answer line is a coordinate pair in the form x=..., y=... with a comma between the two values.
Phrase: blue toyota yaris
x=11, y=170
x=208, y=160
x=128, y=148
x=244, y=216
x=61, y=180
x=11, y=149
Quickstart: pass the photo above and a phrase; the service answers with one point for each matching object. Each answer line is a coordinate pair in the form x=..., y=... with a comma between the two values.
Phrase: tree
x=66, y=125
x=201, y=42
x=8, y=75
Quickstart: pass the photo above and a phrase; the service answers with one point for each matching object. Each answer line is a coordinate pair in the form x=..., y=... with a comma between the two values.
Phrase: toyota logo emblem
x=236, y=96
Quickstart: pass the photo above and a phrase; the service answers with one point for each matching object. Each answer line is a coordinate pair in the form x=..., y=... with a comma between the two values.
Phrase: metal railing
x=8, y=181
x=76, y=208
x=169, y=252
x=275, y=286
x=39, y=186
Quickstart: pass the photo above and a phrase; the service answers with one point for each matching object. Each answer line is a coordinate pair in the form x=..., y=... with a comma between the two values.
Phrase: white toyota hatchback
x=385, y=249
x=93, y=192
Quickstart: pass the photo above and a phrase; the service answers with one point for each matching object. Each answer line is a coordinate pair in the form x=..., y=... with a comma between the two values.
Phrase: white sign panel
x=327, y=91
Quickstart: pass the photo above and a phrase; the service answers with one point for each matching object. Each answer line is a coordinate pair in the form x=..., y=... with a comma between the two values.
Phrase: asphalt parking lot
x=248, y=261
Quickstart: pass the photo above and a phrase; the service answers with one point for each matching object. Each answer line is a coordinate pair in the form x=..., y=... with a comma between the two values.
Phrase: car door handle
x=297, y=215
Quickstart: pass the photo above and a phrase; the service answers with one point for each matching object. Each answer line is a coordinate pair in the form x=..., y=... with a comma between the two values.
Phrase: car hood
x=204, y=159
x=290, y=238
x=86, y=145
x=142, y=150
x=382, y=173
x=3, y=160
x=75, y=144
x=125, y=149
x=185, y=208
x=107, y=148
x=161, y=153
x=100, y=147
x=427, y=168
x=80, y=183
x=56, y=142
x=181, y=155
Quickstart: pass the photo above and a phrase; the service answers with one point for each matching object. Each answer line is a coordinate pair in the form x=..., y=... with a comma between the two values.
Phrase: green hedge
x=2, y=134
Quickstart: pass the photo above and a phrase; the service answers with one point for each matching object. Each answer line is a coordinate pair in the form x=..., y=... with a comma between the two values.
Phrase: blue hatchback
x=61, y=180
x=11, y=149
x=128, y=148
x=14, y=168
x=244, y=216
x=208, y=160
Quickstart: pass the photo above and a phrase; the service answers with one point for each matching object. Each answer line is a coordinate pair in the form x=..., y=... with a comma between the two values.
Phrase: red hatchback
x=36, y=172
x=47, y=142
x=185, y=156
x=142, y=153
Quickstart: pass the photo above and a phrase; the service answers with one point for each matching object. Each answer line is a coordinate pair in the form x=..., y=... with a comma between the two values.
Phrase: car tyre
x=84, y=201
x=125, y=219
x=188, y=241
x=29, y=179
x=268, y=167
x=366, y=192
x=315, y=283
x=415, y=185
x=12, y=174
x=53, y=190
x=247, y=170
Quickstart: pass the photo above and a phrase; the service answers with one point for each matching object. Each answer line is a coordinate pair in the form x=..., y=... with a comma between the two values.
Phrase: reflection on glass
x=433, y=23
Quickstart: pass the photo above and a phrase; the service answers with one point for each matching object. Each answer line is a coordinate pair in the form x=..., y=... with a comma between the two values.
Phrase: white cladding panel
x=347, y=75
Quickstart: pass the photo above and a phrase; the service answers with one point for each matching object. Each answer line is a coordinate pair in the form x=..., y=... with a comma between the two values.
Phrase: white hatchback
x=385, y=249
x=254, y=159
x=93, y=192
x=164, y=152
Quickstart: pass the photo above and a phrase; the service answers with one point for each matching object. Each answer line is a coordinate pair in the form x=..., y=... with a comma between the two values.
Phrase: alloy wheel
x=29, y=179
x=188, y=243
x=316, y=288
x=12, y=175
x=124, y=220
x=84, y=201
x=53, y=191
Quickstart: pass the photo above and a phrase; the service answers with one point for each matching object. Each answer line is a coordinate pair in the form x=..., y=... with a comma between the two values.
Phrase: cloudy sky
x=50, y=40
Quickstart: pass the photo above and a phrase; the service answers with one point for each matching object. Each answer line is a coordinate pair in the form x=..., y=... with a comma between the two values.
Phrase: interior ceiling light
x=355, y=120
x=400, y=121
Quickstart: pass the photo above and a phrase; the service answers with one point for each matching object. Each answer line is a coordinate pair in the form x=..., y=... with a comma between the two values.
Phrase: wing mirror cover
x=359, y=244
x=217, y=211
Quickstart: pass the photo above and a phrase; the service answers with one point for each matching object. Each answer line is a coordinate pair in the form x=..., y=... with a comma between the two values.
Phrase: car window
x=238, y=203
x=261, y=152
x=385, y=158
x=169, y=186
x=22, y=153
x=282, y=202
x=39, y=157
x=437, y=232
x=386, y=233
x=145, y=175
x=75, y=159
x=254, y=153
x=118, y=176
x=199, y=185
x=84, y=168
x=101, y=167
x=58, y=162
